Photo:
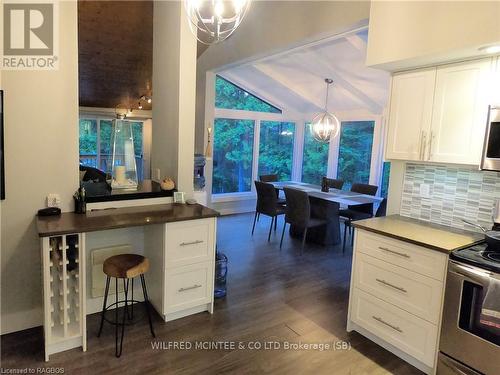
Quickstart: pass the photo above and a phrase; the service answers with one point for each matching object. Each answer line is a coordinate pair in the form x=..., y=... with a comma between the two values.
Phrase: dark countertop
x=97, y=220
x=101, y=192
x=422, y=233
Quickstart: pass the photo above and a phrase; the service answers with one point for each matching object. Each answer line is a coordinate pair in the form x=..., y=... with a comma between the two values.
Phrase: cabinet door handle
x=424, y=143
x=394, y=252
x=379, y=319
x=429, y=156
x=191, y=243
x=383, y=282
x=196, y=286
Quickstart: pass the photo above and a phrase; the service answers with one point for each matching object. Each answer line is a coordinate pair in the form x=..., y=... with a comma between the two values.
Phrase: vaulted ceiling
x=294, y=79
x=115, y=52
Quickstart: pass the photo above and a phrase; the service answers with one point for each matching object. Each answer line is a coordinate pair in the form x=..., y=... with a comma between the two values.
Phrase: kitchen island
x=397, y=285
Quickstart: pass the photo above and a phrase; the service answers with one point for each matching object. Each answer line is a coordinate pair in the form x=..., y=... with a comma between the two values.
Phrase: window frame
x=98, y=119
x=300, y=120
x=376, y=164
x=257, y=118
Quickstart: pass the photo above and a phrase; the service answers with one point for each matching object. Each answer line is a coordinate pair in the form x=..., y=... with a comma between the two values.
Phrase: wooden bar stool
x=126, y=267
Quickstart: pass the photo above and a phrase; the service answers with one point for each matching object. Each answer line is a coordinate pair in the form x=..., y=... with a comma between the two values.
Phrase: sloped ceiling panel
x=296, y=78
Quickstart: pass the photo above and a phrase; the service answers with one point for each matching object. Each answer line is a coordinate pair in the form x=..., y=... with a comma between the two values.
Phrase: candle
x=120, y=174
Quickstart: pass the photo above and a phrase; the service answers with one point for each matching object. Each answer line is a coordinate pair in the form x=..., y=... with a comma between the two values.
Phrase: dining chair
x=267, y=204
x=382, y=208
x=298, y=213
x=332, y=183
x=268, y=178
x=358, y=212
x=272, y=178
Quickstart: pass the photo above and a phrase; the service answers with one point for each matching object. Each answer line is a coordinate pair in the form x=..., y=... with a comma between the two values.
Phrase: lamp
x=325, y=125
x=213, y=21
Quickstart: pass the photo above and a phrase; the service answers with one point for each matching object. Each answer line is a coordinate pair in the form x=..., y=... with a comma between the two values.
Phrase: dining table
x=326, y=205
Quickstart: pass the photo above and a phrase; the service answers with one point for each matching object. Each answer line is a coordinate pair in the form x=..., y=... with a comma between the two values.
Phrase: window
x=386, y=172
x=315, y=160
x=230, y=96
x=355, y=152
x=276, y=148
x=233, y=156
x=90, y=143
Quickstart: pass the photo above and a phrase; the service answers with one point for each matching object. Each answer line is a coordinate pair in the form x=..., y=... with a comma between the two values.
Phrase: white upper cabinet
x=460, y=112
x=410, y=114
x=439, y=114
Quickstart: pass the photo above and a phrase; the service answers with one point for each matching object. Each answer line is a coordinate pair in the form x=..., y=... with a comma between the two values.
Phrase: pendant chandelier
x=213, y=21
x=325, y=125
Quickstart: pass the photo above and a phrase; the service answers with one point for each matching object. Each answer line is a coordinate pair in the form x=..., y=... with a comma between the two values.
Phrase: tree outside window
x=315, y=159
x=276, y=149
x=233, y=156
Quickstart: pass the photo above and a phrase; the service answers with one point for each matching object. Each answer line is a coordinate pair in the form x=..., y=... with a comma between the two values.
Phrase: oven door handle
x=473, y=274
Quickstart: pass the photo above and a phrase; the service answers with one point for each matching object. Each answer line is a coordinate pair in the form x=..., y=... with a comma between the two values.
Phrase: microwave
x=490, y=160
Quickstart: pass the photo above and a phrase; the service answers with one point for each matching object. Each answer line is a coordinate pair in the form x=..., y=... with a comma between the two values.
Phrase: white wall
x=41, y=144
x=405, y=34
x=174, y=82
x=270, y=27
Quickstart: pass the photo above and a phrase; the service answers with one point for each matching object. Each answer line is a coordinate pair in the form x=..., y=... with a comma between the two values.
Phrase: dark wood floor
x=272, y=296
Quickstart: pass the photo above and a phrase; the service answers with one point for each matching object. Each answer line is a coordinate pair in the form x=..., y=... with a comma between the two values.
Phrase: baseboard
x=21, y=320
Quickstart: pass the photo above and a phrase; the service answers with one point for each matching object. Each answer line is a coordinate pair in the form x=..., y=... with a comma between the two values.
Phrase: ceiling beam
x=279, y=77
x=357, y=42
x=329, y=71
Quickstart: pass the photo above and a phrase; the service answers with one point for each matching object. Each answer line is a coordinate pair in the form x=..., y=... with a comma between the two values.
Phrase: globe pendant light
x=325, y=125
x=213, y=21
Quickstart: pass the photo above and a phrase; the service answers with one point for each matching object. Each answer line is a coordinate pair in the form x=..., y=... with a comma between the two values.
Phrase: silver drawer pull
x=394, y=252
x=196, y=286
x=379, y=319
x=191, y=243
x=392, y=286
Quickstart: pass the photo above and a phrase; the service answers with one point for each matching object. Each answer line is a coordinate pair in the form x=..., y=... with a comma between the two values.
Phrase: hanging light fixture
x=325, y=125
x=213, y=21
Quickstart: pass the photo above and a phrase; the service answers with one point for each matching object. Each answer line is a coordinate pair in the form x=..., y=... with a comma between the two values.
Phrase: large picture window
x=230, y=96
x=315, y=159
x=232, y=156
x=276, y=148
x=355, y=152
x=96, y=134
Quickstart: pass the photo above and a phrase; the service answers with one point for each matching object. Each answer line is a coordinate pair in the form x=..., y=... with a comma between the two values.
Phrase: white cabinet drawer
x=417, y=294
x=189, y=242
x=188, y=286
x=405, y=331
x=412, y=257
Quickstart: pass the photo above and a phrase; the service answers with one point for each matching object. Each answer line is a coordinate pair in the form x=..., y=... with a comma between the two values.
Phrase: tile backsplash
x=455, y=192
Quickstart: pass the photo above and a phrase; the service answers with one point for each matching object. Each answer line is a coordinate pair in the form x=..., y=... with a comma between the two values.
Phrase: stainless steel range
x=470, y=332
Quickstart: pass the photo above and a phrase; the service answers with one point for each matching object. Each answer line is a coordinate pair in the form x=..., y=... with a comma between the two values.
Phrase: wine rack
x=63, y=292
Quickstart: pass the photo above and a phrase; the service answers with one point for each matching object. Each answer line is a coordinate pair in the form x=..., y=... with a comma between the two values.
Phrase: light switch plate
x=53, y=200
x=425, y=190
x=157, y=174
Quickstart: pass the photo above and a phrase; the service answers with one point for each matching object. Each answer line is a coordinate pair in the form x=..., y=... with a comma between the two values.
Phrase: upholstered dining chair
x=268, y=178
x=298, y=214
x=358, y=212
x=332, y=183
x=267, y=204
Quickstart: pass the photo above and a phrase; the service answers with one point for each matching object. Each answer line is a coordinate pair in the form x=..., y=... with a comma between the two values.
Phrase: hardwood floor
x=272, y=296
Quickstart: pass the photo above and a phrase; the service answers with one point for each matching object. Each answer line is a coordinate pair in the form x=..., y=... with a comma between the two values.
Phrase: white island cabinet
x=182, y=258
x=396, y=296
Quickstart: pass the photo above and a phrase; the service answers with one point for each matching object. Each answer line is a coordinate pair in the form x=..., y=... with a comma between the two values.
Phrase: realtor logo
x=29, y=36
